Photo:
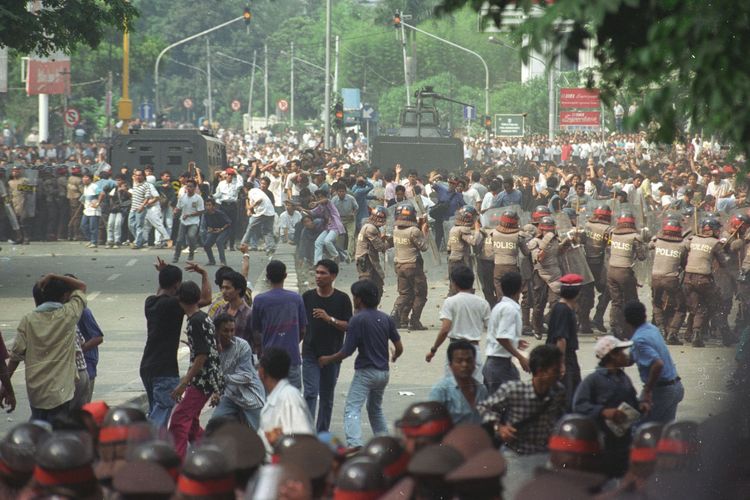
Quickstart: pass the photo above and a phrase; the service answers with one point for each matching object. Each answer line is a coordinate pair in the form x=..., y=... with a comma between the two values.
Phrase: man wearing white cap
x=601, y=394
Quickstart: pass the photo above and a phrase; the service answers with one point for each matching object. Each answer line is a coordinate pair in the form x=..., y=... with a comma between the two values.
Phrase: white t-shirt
x=471, y=197
x=505, y=323
x=288, y=222
x=468, y=314
x=262, y=203
x=190, y=205
x=487, y=201
x=90, y=196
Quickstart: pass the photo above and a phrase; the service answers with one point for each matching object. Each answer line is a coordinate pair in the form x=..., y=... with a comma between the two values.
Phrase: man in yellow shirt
x=45, y=342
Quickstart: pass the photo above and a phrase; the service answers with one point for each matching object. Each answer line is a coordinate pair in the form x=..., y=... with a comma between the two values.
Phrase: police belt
x=665, y=383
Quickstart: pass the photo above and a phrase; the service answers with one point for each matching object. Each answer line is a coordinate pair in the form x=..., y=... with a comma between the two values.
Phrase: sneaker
x=210, y=263
x=223, y=264
x=191, y=256
x=417, y=326
x=674, y=341
x=187, y=250
x=110, y=245
x=91, y=245
x=116, y=246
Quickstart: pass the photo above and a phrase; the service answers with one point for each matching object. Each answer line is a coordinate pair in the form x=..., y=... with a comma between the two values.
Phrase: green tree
x=685, y=57
x=60, y=25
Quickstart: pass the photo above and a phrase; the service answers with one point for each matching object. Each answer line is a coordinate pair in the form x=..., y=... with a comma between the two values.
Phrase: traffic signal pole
x=327, y=97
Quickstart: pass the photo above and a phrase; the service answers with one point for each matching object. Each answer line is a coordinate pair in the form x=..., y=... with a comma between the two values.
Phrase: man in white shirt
x=464, y=316
x=190, y=207
x=287, y=222
x=504, y=336
x=262, y=214
x=226, y=196
x=285, y=411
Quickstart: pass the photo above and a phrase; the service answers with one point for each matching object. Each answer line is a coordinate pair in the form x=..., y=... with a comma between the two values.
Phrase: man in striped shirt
x=137, y=216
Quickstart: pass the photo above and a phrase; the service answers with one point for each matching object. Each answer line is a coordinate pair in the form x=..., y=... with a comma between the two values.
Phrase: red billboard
x=579, y=98
x=48, y=76
x=580, y=118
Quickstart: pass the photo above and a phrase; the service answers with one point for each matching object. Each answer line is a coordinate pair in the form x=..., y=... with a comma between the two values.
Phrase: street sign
x=580, y=118
x=71, y=117
x=510, y=125
x=146, y=112
x=236, y=105
x=367, y=112
x=187, y=103
x=470, y=113
x=283, y=105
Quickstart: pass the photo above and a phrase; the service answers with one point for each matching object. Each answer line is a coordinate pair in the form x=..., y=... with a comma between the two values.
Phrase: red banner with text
x=580, y=118
x=579, y=98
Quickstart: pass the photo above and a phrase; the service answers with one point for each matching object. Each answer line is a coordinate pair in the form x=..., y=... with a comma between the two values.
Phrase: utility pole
x=66, y=91
x=109, y=104
x=327, y=97
x=336, y=65
x=250, y=98
x=125, y=105
x=291, y=85
x=210, y=98
x=265, y=79
x=406, y=64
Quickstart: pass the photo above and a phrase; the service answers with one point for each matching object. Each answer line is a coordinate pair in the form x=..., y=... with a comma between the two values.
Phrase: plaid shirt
x=515, y=402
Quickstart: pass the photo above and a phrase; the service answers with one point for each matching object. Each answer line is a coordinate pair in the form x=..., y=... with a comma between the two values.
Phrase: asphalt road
x=119, y=280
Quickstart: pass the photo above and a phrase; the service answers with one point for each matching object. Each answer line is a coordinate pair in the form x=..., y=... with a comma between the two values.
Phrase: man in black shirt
x=328, y=314
x=159, y=370
x=563, y=332
x=218, y=226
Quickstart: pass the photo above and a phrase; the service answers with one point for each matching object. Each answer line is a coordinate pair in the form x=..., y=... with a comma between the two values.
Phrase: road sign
x=187, y=103
x=470, y=113
x=71, y=117
x=367, y=112
x=510, y=125
x=236, y=105
x=146, y=112
x=283, y=105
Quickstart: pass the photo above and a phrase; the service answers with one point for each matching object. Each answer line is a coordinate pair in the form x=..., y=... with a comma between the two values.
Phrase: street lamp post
x=210, y=97
x=180, y=42
x=327, y=97
x=291, y=85
x=484, y=63
x=550, y=68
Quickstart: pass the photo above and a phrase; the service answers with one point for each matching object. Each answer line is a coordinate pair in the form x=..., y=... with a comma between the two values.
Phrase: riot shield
x=573, y=260
x=430, y=237
x=379, y=194
x=584, y=214
x=447, y=226
x=5, y=199
x=32, y=175
x=491, y=218
x=390, y=221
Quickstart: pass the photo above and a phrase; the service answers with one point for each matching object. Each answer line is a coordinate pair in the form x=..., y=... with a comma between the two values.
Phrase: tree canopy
x=60, y=25
x=686, y=58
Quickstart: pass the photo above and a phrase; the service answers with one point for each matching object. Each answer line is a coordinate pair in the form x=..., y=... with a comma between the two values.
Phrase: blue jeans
x=189, y=235
x=135, y=226
x=368, y=385
x=665, y=400
x=320, y=382
x=217, y=239
x=228, y=408
x=160, y=402
x=295, y=377
x=90, y=228
x=261, y=226
x=326, y=240
x=49, y=415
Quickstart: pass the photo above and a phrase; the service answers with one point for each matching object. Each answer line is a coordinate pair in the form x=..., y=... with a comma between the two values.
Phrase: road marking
x=114, y=277
x=93, y=295
x=131, y=262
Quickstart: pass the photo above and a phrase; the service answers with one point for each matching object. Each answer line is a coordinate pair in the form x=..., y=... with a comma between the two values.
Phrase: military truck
x=168, y=149
x=420, y=144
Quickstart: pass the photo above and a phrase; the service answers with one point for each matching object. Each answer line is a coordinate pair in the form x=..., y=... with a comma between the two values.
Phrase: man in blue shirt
x=361, y=192
x=368, y=332
x=662, y=387
x=93, y=336
x=459, y=391
x=447, y=197
x=510, y=196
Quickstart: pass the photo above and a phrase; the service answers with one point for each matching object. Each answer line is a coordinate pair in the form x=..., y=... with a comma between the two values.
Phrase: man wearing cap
x=600, y=396
x=597, y=233
x=626, y=246
x=410, y=240
x=545, y=249
x=670, y=256
x=370, y=244
x=226, y=195
x=662, y=386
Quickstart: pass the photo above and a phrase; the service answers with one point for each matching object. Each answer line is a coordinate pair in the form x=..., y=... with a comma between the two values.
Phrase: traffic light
x=397, y=20
x=247, y=15
x=488, y=122
x=338, y=115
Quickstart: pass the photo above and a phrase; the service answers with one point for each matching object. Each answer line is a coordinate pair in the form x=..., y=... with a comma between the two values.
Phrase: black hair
x=165, y=172
x=367, y=292
x=322, y=193
x=463, y=277
x=237, y=280
x=36, y=292
x=460, y=345
x=495, y=185
x=332, y=267
x=219, y=274
x=581, y=184
x=475, y=176
x=635, y=313
x=275, y=362
x=569, y=291
x=189, y=293
x=169, y=276
x=543, y=357
x=510, y=283
x=276, y=272
x=221, y=319
x=400, y=188
x=338, y=185
x=191, y=181
x=54, y=291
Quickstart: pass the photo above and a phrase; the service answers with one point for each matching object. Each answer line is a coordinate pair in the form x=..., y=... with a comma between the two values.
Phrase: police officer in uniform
x=461, y=239
x=370, y=244
x=63, y=207
x=22, y=192
x=486, y=267
x=626, y=247
x=597, y=232
x=705, y=249
x=50, y=194
x=741, y=246
x=726, y=277
x=74, y=193
x=507, y=241
x=670, y=255
x=409, y=242
x=545, y=249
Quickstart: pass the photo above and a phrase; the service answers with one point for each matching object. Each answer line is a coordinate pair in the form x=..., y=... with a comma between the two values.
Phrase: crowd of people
x=537, y=228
